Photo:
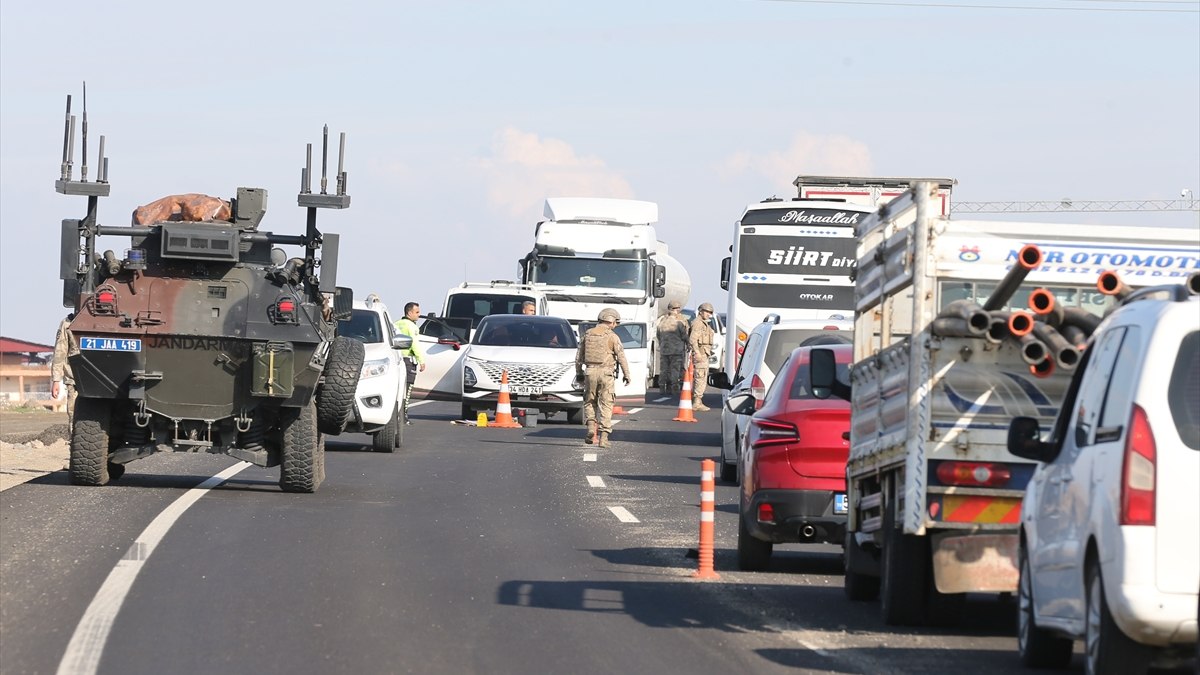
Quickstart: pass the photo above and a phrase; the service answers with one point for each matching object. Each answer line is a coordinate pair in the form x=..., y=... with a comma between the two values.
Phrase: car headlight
x=373, y=368
x=469, y=378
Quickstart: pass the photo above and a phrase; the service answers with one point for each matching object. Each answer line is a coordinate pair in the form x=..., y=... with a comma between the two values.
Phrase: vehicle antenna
x=66, y=139
x=102, y=163
x=341, y=174
x=71, y=147
x=306, y=172
x=324, y=159
x=83, y=164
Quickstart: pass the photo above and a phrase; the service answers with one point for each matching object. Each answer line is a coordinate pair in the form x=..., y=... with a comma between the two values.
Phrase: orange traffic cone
x=618, y=410
x=504, y=418
x=685, y=398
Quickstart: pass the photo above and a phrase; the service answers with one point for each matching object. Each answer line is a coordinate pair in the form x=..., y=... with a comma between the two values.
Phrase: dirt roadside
x=32, y=444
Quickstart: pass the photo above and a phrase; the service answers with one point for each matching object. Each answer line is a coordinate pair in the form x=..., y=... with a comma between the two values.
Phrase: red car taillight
x=758, y=390
x=1137, y=475
x=773, y=432
x=766, y=513
x=976, y=474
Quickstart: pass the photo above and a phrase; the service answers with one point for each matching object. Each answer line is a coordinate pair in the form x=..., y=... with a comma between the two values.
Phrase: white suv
x=379, y=398
x=1110, y=523
x=767, y=347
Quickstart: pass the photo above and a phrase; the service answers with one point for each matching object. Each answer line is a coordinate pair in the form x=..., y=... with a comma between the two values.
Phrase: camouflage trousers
x=72, y=394
x=670, y=380
x=700, y=378
x=599, y=392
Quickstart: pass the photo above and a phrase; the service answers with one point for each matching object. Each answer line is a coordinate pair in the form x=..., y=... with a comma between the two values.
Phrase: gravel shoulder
x=32, y=444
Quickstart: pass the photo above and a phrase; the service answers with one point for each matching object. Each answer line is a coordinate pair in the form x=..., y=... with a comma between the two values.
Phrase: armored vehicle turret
x=203, y=334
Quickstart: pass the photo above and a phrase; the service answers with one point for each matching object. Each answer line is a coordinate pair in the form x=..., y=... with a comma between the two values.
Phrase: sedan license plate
x=839, y=503
x=110, y=344
x=526, y=390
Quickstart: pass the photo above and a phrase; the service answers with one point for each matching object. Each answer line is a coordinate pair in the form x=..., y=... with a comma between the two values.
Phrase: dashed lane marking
x=623, y=514
x=589, y=457
x=662, y=399
x=87, y=643
x=634, y=411
x=595, y=481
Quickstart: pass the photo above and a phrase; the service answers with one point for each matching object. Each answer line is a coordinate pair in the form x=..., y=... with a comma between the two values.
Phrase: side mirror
x=343, y=303
x=741, y=404
x=725, y=263
x=402, y=342
x=719, y=380
x=71, y=290
x=454, y=344
x=1024, y=440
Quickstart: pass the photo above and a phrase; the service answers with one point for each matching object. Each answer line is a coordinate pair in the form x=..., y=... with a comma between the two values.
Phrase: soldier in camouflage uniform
x=60, y=369
x=596, y=361
x=700, y=339
x=672, y=346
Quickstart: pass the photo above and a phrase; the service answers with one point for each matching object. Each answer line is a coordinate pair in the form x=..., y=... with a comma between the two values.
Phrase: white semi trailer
x=592, y=253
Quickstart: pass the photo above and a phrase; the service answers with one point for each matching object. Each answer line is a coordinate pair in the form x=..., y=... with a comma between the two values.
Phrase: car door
x=1062, y=496
x=442, y=342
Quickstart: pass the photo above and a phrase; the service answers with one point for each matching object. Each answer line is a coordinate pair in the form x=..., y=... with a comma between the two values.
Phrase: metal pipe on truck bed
x=1020, y=323
x=1064, y=353
x=1109, y=283
x=1074, y=334
x=1082, y=318
x=976, y=320
x=1033, y=350
x=1046, y=306
x=1028, y=258
x=955, y=326
x=1193, y=283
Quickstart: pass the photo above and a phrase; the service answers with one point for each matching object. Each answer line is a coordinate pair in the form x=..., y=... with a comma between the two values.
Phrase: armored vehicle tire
x=388, y=438
x=753, y=555
x=89, y=442
x=303, y=453
x=335, y=398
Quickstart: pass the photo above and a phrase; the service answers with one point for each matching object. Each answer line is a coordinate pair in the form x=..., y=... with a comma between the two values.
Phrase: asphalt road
x=469, y=550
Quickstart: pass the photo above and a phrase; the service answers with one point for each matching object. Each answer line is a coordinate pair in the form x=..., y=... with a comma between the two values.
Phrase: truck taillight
x=773, y=432
x=1137, y=475
x=758, y=390
x=975, y=474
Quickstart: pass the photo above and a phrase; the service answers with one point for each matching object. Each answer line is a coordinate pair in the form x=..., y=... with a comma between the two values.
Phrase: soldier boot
x=591, y=433
x=604, y=440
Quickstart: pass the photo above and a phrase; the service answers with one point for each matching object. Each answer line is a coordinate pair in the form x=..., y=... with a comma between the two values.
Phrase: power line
x=942, y=5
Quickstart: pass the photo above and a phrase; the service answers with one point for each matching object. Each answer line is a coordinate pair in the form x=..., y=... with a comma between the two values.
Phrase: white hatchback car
x=379, y=397
x=1110, y=524
x=537, y=353
x=767, y=347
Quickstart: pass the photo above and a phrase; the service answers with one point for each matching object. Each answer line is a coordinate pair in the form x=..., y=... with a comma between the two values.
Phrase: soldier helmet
x=609, y=314
x=675, y=304
x=705, y=307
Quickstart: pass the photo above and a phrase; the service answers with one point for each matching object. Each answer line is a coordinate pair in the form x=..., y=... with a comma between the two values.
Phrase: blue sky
x=461, y=117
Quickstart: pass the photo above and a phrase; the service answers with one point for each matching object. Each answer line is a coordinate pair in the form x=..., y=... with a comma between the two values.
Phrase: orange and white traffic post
x=504, y=418
x=708, y=498
x=685, y=398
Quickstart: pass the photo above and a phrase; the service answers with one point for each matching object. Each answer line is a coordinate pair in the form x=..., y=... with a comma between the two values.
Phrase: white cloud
x=808, y=154
x=524, y=169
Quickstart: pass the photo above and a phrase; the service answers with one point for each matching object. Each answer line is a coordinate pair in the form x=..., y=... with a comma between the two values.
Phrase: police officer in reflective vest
x=596, y=361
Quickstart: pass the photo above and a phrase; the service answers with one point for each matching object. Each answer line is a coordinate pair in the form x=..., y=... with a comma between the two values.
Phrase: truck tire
x=902, y=586
x=335, y=397
x=1037, y=647
x=753, y=555
x=573, y=416
x=387, y=439
x=89, y=442
x=1106, y=649
x=859, y=587
x=302, y=454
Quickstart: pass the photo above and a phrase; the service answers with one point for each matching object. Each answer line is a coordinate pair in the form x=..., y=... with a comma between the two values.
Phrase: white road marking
x=661, y=399
x=87, y=643
x=623, y=515
x=589, y=457
x=414, y=404
x=634, y=411
x=595, y=481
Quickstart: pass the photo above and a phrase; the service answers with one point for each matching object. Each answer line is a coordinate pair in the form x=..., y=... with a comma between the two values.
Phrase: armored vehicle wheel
x=389, y=437
x=335, y=398
x=303, y=454
x=89, y=442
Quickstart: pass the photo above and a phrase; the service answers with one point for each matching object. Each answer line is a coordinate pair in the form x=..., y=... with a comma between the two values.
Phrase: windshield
x=475, y=306
x=593, y=272
x=632, y=335
x=363, y=325
x=516, y=330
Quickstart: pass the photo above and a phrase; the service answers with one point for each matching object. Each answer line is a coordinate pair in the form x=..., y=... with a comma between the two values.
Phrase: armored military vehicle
x=204, y=335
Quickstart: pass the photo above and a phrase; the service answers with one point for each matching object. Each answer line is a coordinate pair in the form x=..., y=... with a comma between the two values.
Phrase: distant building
x=25, y=374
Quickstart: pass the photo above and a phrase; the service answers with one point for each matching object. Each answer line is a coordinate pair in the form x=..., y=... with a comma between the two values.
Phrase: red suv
x=793, y=462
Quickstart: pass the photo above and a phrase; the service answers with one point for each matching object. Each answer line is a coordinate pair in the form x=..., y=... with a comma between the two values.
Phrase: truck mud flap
x=977, y=563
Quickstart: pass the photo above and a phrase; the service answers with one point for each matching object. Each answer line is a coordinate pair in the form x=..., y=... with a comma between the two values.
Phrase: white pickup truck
x=946, y=354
